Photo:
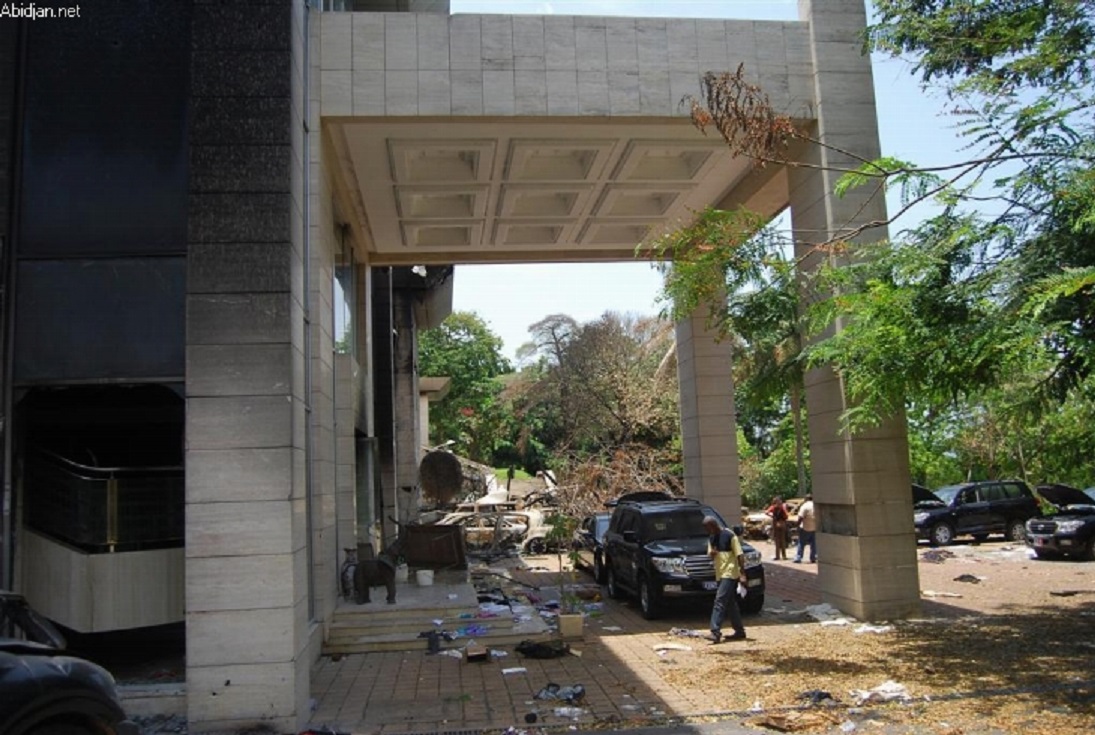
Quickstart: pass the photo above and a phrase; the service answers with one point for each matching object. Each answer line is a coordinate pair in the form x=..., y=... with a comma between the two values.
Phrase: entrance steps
x=450, y=604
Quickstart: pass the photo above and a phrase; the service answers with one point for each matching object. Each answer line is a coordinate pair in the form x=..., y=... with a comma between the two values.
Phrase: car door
x=974, y=509
x=626, y=563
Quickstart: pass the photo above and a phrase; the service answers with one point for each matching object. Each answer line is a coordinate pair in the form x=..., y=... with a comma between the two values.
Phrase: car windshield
x=601, y=525
x=946, y=494
x=680, y=523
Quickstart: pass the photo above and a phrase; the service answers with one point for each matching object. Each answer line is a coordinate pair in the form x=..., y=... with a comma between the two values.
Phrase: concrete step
x=451, y=606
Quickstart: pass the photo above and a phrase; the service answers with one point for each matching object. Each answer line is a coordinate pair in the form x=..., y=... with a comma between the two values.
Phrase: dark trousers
x=807, y=538
x=726, y=605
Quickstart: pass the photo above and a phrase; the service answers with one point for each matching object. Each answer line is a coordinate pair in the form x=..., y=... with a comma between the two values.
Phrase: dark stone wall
x=240, y=148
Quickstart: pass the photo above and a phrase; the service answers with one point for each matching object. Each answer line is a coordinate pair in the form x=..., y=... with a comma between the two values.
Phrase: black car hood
x=671, y=547
x=922, y=496
x=35, y=674
x=1063, y=495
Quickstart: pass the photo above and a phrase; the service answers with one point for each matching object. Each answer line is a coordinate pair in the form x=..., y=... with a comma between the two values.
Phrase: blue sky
x=511, y=297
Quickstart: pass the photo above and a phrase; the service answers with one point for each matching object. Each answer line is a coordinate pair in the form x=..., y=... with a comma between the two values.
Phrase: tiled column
x=248, y=634
x=708, y=429
x=408, y=439
x=861, y=486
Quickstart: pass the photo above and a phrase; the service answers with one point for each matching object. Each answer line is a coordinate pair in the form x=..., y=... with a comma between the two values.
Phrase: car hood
x=924, y=498
x=671, y=547
x=32, y=672
x=1063, y=496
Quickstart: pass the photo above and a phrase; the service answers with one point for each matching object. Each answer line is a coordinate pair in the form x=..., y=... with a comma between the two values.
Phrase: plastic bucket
x=401, y=573
x=424, y=577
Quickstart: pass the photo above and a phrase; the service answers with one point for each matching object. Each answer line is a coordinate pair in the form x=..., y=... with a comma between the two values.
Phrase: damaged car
x=525, y=530
x=44, y=690
x=1070, y=531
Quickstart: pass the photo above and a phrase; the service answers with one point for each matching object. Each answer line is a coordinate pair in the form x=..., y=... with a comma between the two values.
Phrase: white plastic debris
x=573, y=712
x=758, y=706
x=867, y=628
x=933, y=593
x=836, y=622
x=824, y=612
x=887, y=691
x=451, y=653
x=612, y=628
x=847, y=726
x=515, y=670
x=671, y=647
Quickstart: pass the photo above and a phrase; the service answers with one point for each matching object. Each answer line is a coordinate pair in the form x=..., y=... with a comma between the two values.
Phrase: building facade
x=225, y=223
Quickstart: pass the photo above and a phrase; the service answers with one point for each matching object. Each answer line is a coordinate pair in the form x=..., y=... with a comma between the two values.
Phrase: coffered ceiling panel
x=454, y=190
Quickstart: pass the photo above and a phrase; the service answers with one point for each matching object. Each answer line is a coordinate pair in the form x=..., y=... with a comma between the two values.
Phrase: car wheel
x=598, y=569
x=941, y=534
x=650, y=599
x=614, y=590
x=1017, y=531
x=536, y=546
x=752, y=605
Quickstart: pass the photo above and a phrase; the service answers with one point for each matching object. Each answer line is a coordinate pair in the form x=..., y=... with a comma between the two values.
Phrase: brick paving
x=616, y=661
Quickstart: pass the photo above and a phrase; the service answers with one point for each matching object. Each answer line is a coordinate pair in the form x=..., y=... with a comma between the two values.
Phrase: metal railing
x=104, y=509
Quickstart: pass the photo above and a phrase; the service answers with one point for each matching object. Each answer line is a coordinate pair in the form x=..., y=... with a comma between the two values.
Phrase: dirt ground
x=1004, y=644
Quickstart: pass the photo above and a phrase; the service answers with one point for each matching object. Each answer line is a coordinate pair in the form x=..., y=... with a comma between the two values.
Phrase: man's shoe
x=797, y=561
x=714, y=638
x=739, y=636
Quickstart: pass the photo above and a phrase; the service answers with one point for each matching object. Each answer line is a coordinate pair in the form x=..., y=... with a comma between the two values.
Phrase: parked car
x=975, y=509
x=485, y=530
x=1068, y=532
x=43, y=690
x=589, y=544
x=758, y=524
x=656, y=549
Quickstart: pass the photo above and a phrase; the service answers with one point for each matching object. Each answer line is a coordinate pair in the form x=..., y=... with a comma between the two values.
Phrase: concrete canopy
x=460, y=191
x=486, y=139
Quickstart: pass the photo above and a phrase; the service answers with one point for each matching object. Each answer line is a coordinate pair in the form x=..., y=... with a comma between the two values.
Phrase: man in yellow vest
x=725, y=550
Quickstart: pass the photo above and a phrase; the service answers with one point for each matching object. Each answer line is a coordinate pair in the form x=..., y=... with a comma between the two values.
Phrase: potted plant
x=560, y=537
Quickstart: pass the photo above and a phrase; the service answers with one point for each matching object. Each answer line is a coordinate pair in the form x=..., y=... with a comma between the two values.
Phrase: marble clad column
x=861, y=485
x=708, y=430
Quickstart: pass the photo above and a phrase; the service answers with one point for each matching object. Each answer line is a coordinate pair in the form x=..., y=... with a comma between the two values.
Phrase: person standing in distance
x=807, y=528
x=725, y=550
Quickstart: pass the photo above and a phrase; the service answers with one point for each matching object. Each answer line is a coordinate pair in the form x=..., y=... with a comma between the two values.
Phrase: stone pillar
x=249, y=642
x=708, y=428
x=408, y=439
x=861, y=485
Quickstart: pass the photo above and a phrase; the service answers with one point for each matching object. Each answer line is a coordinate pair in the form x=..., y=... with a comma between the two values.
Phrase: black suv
x=656, y=549
x=973, y=509
x=1068, y=532
x=44, y=691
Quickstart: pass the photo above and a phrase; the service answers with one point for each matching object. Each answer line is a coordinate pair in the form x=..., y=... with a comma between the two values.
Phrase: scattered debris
x=542, y=649
x=795, y=721
x=571, y=712
x=660, y=647
x=688, y=633
x=936, y=556
x=515, y=670
x=932, y=593
x=826, y=614
x=570, y=695
x=887, y=691
x=867, y=628
x=970, y=578
x=816, y=697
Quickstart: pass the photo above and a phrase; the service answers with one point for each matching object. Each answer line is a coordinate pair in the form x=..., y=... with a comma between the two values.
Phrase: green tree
x=464, y=349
